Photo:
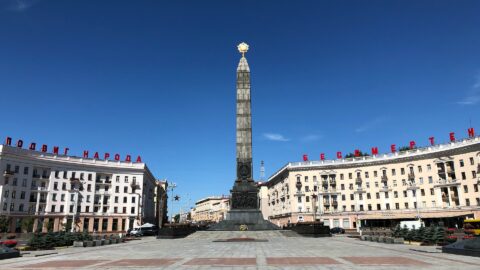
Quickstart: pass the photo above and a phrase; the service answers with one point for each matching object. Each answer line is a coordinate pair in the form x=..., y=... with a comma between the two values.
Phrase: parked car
x=336, y=230
x=144, y=231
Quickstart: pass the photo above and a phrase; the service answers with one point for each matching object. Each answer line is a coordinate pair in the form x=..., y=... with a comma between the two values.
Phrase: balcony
x=40, y=189
x=335, y=203
x=8, y=172
x=298, y=185
x=333, y=182
x=360, y=190
x=385, y=189
x=384, y=178
x=326, y=203
x=134, y=185
x=358, y=181
x=97, y=202
x=412, y=186
x=447, y=183
x=411, y=176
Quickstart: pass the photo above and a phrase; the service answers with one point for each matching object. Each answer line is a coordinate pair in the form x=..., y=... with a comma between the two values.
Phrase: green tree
x=404, y=232
x=439, y=234
x=411, y=235
x=27, y=224
x=176, y=218
x=428, y=235
x=396, y=231
x=419, y=235
x=4, y=224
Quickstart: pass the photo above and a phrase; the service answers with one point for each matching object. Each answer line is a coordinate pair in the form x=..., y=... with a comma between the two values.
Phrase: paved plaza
x=202, y=251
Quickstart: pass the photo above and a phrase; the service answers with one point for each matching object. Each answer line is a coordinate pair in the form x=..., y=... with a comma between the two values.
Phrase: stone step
x=215, y=235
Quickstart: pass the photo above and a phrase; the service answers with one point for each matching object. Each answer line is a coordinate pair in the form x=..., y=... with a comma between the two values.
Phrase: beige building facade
x=42, y=191
x=435, y=182
x=211, y=209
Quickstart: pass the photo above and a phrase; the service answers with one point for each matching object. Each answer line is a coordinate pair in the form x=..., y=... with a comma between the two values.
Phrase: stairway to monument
x=218, y=235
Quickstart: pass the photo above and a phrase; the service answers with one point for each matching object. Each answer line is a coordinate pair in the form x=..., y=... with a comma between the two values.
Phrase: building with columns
x=58, y=192
x=210, y=209
x=435, y=183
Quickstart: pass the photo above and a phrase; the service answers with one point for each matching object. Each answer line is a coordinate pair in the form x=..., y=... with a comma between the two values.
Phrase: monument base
x=244, y=219
x=470, y=247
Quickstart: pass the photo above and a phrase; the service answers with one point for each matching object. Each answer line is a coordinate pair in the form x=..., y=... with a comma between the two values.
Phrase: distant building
x=210, y=209
x=435, y=183
x=56, y=192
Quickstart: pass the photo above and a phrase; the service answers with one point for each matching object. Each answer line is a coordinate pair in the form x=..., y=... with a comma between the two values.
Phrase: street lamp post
x=172, y=187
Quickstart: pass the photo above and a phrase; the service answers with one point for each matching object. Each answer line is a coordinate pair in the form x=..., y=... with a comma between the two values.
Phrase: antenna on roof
x=262, y=171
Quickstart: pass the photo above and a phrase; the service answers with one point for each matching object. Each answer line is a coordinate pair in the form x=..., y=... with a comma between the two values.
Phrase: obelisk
x=244, y=211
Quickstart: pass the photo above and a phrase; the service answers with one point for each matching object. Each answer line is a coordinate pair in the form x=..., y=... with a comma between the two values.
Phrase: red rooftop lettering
x=139, y=159
x=55, y=150
x=107, y=155
x=95, y=156
x=305, y=157
x=128, y=158
x=8, y=141
x=471, y=132
x=32, y=146
x=44, y=148
x=339, y=155
x=393, y=148
x=452, y=136
x=117, y=157
x=85, y=154
x=19, y=143
x=374, y=151
x=432, y=140
x=322, y=156
x=412, y=144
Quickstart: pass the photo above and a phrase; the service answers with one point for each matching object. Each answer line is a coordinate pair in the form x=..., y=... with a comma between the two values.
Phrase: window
x=360, y=196
x=422, y=192
x=306, y=178
x=14, y=183
x=90, y=176
x=56, y=174
x=429, y=167
x=62, y=208
x=71, y=209
x=393, y=171
x=17, y=169
x=53, y=208
x=419, y=169
x=367, y=184
x=379, y=207
x=368, y=196
x=87, y=208
x=20, y=207
x=394, y=183
x=395, y=194
x=465, y=189
x=81, y=176
x=397, y=205
x=124, y=210
x=25, y=170
x=352, y=207
x=402, y=171
x=420, y=180
x=464, y=176
x=125, y=189
x=342, y=187
x=475, y=188
x=116, y=199
x=88, y=198
x=376, y=184
x=133, y=199
x=386, y=195
x=22, y=195
x=406, y=205
x=62, y=198
x=307, y=199
x=462, y=163
x=307, y=188
x=352, y=197
x=349, y=175
x=404, y=193
x=430, y=180
x=117, y=189
x=72, y=197
x=89, y=187
x=387, y=206
x=341, y=176
x=375, y=174
x=474, y=174
x=467, y=202
x=115, y=209
x=64, y=186
x=377, y=195
x=369, y=207
x=471, y=161
x=125, y=199
x=117, y=179
x=64, y=174
x=126, y=179
x=432, y=191
x=54, y=197
x=314, y=178
x=366, y=174
x=343, y=197
x=24, y=182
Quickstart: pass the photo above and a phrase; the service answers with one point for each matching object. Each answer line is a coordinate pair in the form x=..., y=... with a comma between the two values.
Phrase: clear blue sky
x=157, y=78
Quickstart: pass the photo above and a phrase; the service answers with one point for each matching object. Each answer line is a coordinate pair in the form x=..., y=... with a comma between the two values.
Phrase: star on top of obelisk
x=242, y=48
x=243, y=65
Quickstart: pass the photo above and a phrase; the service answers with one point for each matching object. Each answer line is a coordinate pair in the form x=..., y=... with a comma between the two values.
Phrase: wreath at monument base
x=243, y=227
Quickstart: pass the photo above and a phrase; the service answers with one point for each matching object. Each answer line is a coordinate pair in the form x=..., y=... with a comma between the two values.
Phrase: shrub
x=419, y=235
x=11, y=236
x=396, y=231
x=428, y=235
x=439, y=235
x=411, y=235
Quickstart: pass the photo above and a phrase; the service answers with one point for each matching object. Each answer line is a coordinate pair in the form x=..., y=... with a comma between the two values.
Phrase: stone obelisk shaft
x=244, y=122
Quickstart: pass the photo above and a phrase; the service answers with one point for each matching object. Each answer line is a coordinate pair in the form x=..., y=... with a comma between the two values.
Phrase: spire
x=243, y=65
